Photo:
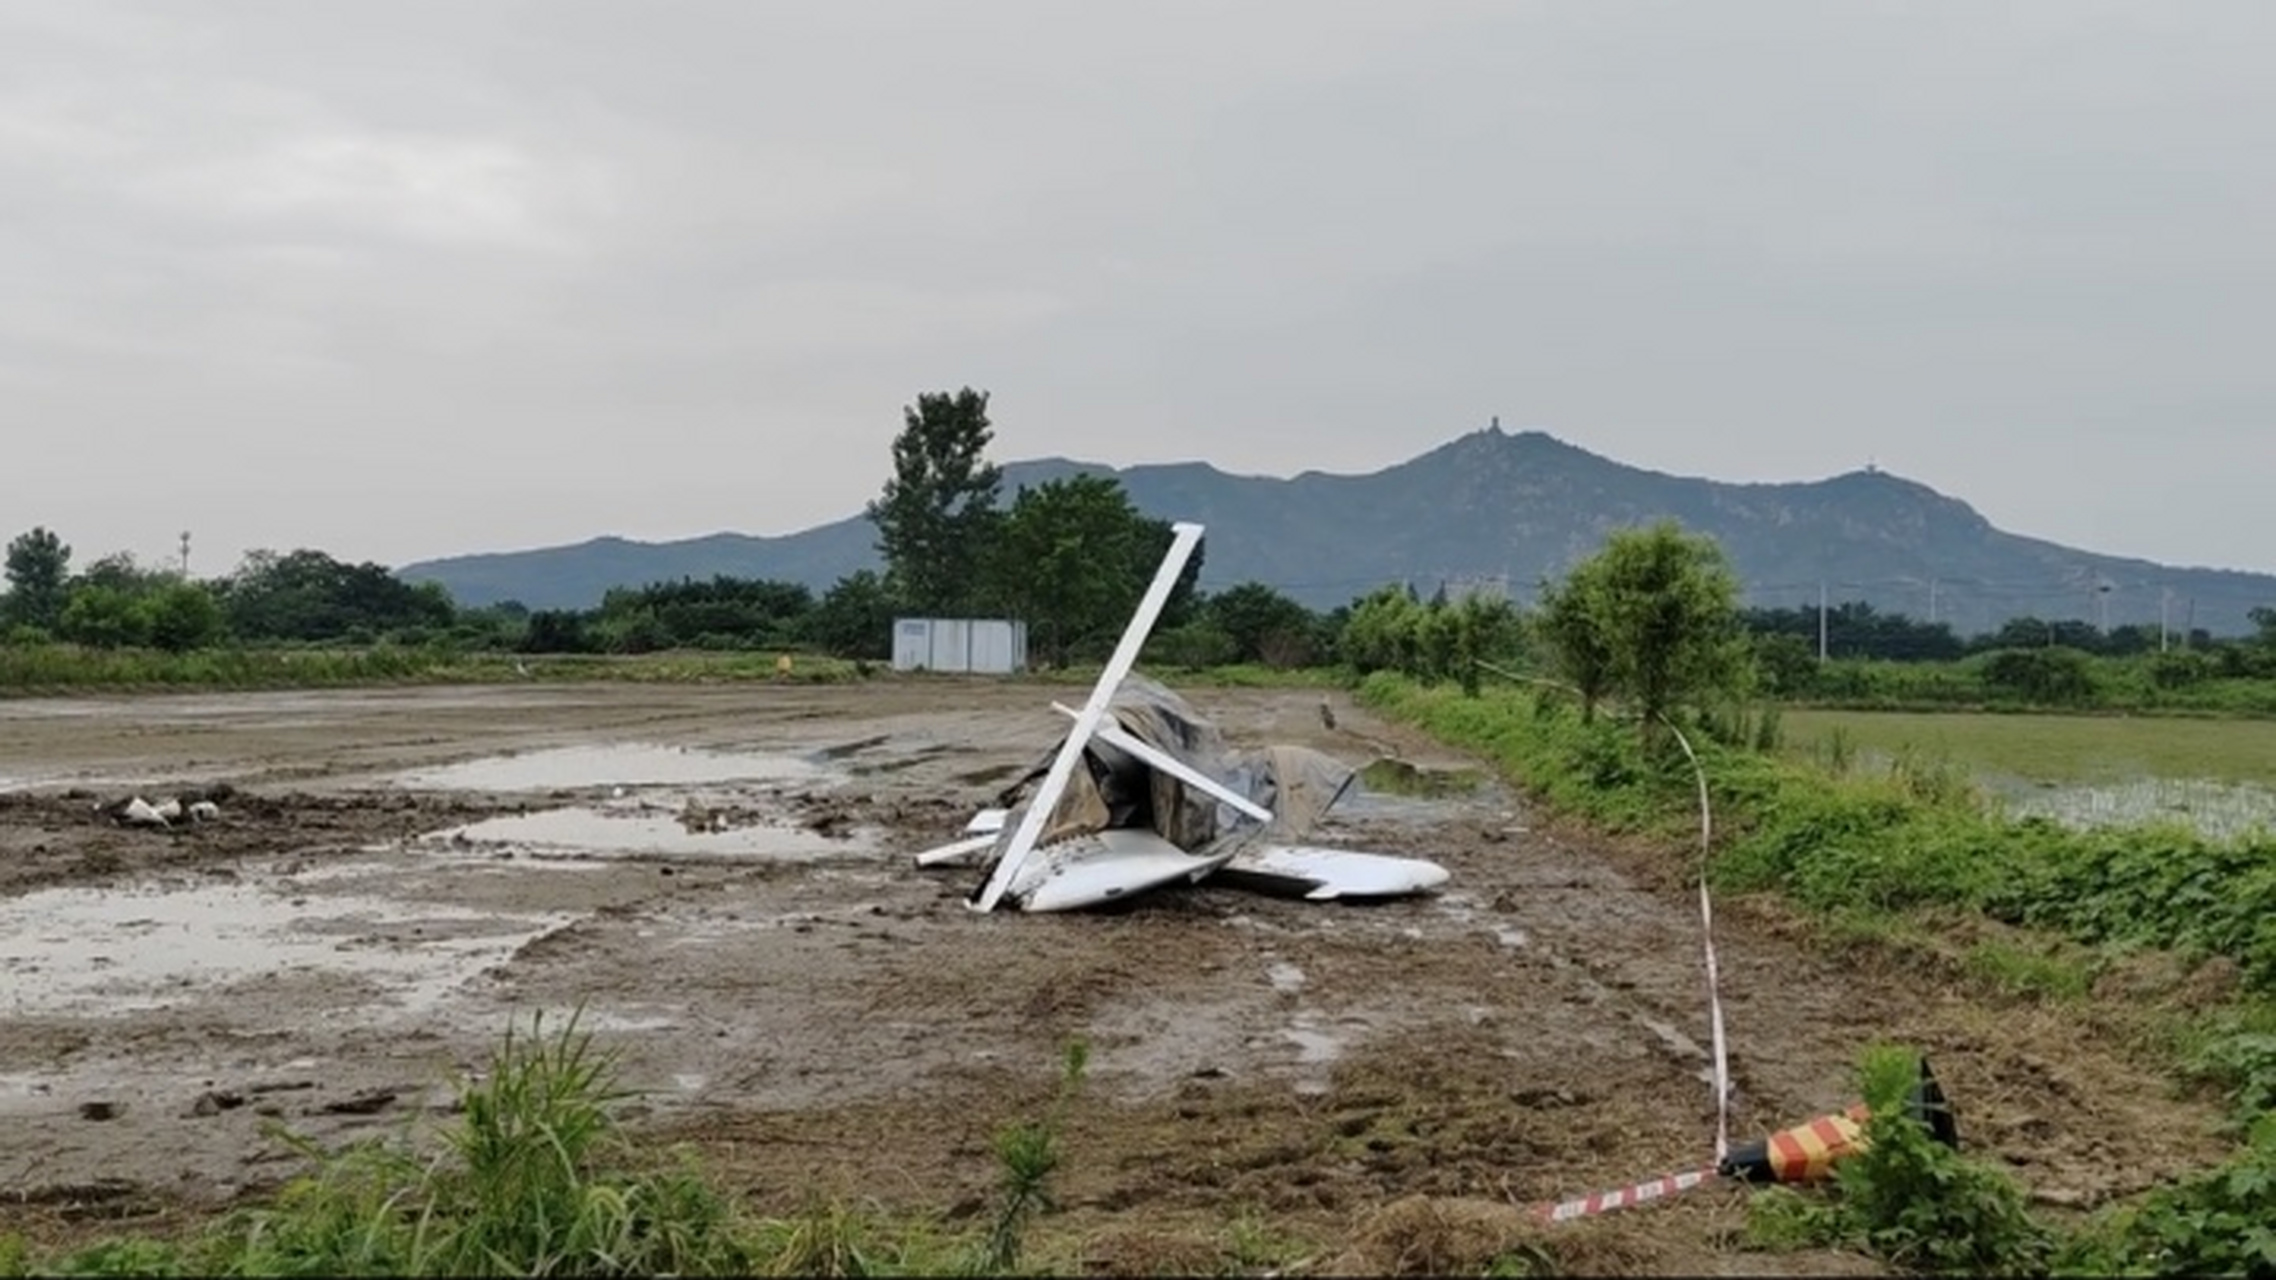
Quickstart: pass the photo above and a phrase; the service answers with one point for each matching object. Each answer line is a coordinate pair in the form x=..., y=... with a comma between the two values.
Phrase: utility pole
x=185, y=553
x=1932, y=602
x=1821, y=620
x=2164, y=608
x=2102, y=607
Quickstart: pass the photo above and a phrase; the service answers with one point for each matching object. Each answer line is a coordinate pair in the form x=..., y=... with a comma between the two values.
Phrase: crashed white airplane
x=1143, y=793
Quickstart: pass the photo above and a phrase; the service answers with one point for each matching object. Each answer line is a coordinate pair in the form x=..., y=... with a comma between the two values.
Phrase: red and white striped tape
x=1625, y=1197
x=1719, y=1051
x=1721, y=1047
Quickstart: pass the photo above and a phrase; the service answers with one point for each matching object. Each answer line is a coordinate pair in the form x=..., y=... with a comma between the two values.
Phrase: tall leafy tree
x=938, y=512
x=183, y=616
x=1383, y=631
x=39, y=564
x=1073, y=558
x=105, y=618
x=308, y=595
x=1572, y=627
x=1264, y=625
x=1654, y=615
x=120, y=570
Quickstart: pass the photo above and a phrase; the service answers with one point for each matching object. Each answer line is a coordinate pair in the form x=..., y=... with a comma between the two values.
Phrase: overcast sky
x=400, y=280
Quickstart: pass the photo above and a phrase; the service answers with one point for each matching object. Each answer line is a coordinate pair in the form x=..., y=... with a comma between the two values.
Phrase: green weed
x=834, y=1239
x=1254, y=1244
x=1027, y=1153
x=535, y=1178
x=2222, y=1222
x=1907, y=1198
x=2021, y=971
x=1840, y=751
x=124, y=1258
x=1921, y=1204
x=2235, y=1052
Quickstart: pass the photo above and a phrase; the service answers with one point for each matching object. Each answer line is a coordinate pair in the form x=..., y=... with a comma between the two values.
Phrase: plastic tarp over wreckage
x=1143, y=792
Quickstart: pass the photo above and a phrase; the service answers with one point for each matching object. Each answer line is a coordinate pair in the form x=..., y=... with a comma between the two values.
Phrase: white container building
x=986, y=646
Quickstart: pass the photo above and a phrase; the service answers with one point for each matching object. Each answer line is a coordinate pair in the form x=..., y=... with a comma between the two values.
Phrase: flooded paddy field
x=2217, y=776
x=719, y=878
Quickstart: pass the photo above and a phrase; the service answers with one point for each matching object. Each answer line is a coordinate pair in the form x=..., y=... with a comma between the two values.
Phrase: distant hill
x=1492, y=510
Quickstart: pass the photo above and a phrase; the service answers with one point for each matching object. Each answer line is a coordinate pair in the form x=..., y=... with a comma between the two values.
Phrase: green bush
x=2219, y=1223
x=1907, y=1198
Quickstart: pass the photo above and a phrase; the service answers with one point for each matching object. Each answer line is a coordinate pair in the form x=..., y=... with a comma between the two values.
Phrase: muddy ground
x=719, y=876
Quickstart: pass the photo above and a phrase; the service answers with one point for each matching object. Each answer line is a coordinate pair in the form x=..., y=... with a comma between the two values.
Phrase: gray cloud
x=409, y=279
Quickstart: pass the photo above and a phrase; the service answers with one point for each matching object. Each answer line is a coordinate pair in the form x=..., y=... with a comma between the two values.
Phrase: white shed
x=991, y=646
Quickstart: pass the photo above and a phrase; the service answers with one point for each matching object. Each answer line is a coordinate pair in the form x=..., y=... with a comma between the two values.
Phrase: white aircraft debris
x=1143, y=793
x=138, y=812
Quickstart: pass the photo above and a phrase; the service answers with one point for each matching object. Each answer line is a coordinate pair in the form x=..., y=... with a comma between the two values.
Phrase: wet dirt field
x=719, y=877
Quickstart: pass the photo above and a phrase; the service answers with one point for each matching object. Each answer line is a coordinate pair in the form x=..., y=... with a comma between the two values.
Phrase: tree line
x=1071, y=557
x=302, y=597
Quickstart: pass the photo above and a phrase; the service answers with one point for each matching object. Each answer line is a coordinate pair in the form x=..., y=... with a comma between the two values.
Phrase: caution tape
x=1720, y=1046
x=1625, y=1197
x=1803, y=1153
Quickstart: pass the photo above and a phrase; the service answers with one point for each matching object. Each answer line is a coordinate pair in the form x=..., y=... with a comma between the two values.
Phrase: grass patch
x=31, y=670
x=2027, y=971
x=536, y=1177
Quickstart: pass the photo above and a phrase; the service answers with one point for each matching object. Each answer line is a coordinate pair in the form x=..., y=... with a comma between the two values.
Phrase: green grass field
x=2052, y=748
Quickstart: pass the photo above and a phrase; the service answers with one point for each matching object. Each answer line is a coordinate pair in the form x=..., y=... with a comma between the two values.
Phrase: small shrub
x=2021, y=972
x=828, y=1239
x=1934, y=780
x=2243, y=1064
x=1027, y=1153
x=532, y=1182
x=1840, y=750
x=1907, y=1198
x=1769, y=735
x=2222, y=1222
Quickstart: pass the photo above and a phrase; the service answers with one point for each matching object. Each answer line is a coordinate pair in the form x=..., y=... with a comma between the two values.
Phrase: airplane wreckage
x=1144, y=793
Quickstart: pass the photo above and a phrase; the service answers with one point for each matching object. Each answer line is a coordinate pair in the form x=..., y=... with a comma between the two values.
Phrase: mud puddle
x=1406, y=792
x=121, y=950
x=606, y=764
x=1389, y=777
x=588, y=831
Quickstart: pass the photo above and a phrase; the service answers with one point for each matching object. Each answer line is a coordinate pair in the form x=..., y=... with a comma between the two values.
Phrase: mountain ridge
x=1505, y=509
